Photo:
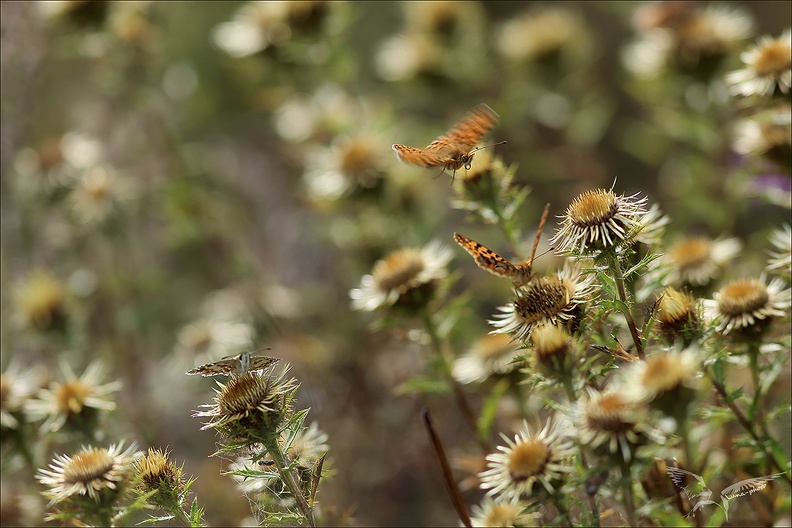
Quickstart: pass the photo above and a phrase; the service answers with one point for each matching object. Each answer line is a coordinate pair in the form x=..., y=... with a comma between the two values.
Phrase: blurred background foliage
x=183, y=181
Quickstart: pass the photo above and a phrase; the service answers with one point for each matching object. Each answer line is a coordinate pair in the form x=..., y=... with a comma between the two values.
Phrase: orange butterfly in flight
x=520, y=274
x=456, y=148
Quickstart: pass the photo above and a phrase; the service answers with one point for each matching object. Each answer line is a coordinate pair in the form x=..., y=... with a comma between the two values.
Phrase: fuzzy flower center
x=501, y=515
x=356, y=157
x=608, y=413
x=242, y=394
x=593, y=208
x=542, y=299
x=398, y=269
x=743, y=296
x=773, y=59
x=153, y=465
x=528, y=458
x=72, y=395
x=87, y=466
x=549, y=340
x=662, y=373
x=691, y=253
x=674, y=307
x=493, y=346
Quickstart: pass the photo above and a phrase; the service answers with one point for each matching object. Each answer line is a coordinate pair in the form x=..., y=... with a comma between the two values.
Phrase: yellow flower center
x=675, y=306
x=88, y=465
x=501, y=515
x=593, y=208
x=356, y=157
x=493, y=346
x=527, y=459
x=662, y=373
x=691, y=253
x=773, y=59
x=72, y=395
x=398, y=269
x=549, y=340
x=743, y=296
x=608, y=413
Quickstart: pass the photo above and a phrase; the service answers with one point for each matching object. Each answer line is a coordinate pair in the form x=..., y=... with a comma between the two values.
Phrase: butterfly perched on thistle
x=235, y=365
x=454, y=149
x=486, y=259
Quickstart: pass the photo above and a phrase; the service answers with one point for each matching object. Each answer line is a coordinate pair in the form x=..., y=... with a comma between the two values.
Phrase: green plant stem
x=629, y=499
x=179, y=513
x=446, y=361
x=754, y=414
x=743, y=421
x=286, y=473
x=684, y=434
x=591, y=498
x=618, y=278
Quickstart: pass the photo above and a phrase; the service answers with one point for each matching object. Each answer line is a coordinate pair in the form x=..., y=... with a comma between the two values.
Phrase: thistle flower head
x=748, y=305
x=768, y=66
x=665, y=380
x=491, y=513
x=92, y=471
x=17, y=386
x=41, y=300
x=677, y=316
x=488, y=355
x=541, y=458
x=697, y=260
x=767, y=133
x=404, y=276
x=157, y=473
x=613, y=419
x=250, y=405
x=554, y=300
x=599, y=220
x=551, y=345
x=781, y=256
x=74, y=402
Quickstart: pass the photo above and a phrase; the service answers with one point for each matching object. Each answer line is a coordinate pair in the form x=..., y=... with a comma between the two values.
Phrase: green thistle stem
x=618, y=278
x=591, y=498
x=273, y=448
x=178, y=512
x=684, y=434
x=629, y=499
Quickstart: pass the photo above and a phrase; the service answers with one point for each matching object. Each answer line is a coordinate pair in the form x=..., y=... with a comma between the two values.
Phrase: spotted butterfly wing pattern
x=234, y=365
x=456, y=147
x=519, y=274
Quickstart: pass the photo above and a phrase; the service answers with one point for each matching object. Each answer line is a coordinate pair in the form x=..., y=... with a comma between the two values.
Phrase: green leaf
x=490, y=408
x=152, y=520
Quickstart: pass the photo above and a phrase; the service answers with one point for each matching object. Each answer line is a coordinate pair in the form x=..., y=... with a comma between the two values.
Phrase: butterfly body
x=520, y=274
x=234, y=365
x=456, y=148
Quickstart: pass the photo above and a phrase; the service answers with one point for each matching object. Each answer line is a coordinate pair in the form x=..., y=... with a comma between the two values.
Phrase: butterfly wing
x=422, y=157
x=262, y=362
x=448, y=149
x=224, y=366
x=494, y=263
x=467, y=133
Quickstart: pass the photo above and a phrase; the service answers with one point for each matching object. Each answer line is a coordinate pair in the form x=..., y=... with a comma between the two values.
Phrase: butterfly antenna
x=538, y=234
x=487, y=146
